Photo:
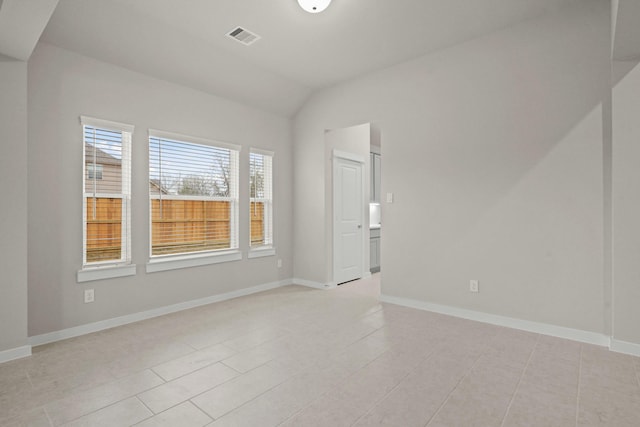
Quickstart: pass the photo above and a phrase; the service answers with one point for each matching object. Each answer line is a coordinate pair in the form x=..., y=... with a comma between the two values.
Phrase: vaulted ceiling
x=626, y=42
x=183, y=41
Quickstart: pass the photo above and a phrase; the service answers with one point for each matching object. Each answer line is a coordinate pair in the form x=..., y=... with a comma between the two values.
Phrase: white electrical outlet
x=89, y=296
x=474, y=286
x=279, y=263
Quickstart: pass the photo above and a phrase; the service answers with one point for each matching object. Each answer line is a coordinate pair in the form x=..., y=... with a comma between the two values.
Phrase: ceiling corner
x=625, y=26
x=21, y=25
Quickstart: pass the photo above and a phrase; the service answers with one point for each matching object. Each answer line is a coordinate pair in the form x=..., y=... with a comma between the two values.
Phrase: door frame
x=344, y=155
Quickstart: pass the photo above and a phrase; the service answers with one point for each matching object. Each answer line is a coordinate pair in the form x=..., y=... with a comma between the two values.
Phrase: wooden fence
x=183, y=226
x=104, y=231
x=189, y=226
x=257, y=223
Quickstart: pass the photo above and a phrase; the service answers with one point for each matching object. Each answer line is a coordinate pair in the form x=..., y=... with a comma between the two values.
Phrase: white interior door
x=348, y=208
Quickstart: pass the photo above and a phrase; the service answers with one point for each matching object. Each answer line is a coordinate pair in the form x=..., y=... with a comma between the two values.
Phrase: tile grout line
x=484, y=352
x=195, y=370
x=338, y=382
x=47, y=415
x=26, y=372
x=100, y=409
x=235, y=370
x=579, y=384
x=513, y=396
x=444, y=402
x=229, y=380
x=213, y=419
x=250, y=400
x=127, y=396
x=153, y=414
x=422, y=360
x=160, y=376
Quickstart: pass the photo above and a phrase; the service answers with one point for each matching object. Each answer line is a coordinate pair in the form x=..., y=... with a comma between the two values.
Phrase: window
x=94, y=171
x=261, y=198
x=193, y=192
x=107, y=192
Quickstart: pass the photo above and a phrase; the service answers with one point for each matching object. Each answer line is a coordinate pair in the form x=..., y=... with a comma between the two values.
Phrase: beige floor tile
x=250, y=359
x=193, y=361
x=420, y=394
x=352, y=398
x=554, y=375
x=183, y=415
x=253, y=338
x=124, y=413
x=232, y=394
x=484, y=402
x=184, y=388
x=81, y=379
x=537, y=405
x=91, y=400
x=608, y=376
x=608, y=406
x=412, y=403
x=559, y=348
x=302, y=357
x=13, y=404
x=14, y=384
x=148, y=358
x=281, y=402
x=32, y=418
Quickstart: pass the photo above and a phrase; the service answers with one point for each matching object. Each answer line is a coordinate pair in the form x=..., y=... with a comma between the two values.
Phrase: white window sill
x=261, y=252
x=108, y=272
x=195, y=260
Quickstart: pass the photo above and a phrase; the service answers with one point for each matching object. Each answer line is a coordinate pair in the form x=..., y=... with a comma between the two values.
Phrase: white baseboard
x=312, y=284
x=136, y=317
x=15, y=353
x=509, y=322
x=624, y=347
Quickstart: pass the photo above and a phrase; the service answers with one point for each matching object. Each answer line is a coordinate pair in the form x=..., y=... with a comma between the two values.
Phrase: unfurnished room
x=320, y=213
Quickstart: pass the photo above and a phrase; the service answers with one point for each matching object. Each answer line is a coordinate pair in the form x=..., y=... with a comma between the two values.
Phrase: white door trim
x=343, y=155
x=338, y=154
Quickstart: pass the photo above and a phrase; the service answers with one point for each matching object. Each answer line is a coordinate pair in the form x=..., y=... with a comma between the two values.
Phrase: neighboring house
x=106, y=173
x=103, y=172
x=155, y=188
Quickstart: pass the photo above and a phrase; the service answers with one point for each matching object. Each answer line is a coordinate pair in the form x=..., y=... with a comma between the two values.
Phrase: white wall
x=626, y=203
x=63, y=86
x=493, y=150
x=13, y=214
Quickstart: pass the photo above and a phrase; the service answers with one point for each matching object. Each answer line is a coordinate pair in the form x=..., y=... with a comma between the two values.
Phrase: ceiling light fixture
x=314, y=6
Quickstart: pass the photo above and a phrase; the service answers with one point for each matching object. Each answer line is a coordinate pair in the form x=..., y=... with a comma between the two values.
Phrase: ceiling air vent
x=243, y=35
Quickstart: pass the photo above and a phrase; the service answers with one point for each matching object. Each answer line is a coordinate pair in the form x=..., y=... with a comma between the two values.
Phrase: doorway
x=348, y=217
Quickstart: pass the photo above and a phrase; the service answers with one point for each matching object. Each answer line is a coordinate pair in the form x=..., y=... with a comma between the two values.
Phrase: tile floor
x=302, y=357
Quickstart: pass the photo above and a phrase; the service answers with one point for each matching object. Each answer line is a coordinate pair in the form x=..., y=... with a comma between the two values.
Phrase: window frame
x=95, y=270
x=267, y=248
x=164, y=262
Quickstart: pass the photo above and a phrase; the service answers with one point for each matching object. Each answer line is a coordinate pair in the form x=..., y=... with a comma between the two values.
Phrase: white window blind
x=261, y=197
x=193, y=191
x=107, y=192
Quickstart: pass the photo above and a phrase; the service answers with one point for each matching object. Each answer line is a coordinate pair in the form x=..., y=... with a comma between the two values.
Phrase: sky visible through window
x=256, y=175
x=184, y=168
x=110, y=142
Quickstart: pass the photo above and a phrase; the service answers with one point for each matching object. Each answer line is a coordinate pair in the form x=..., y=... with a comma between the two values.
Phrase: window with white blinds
x=193, y=192
x=261, y=197
x=107, y=192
